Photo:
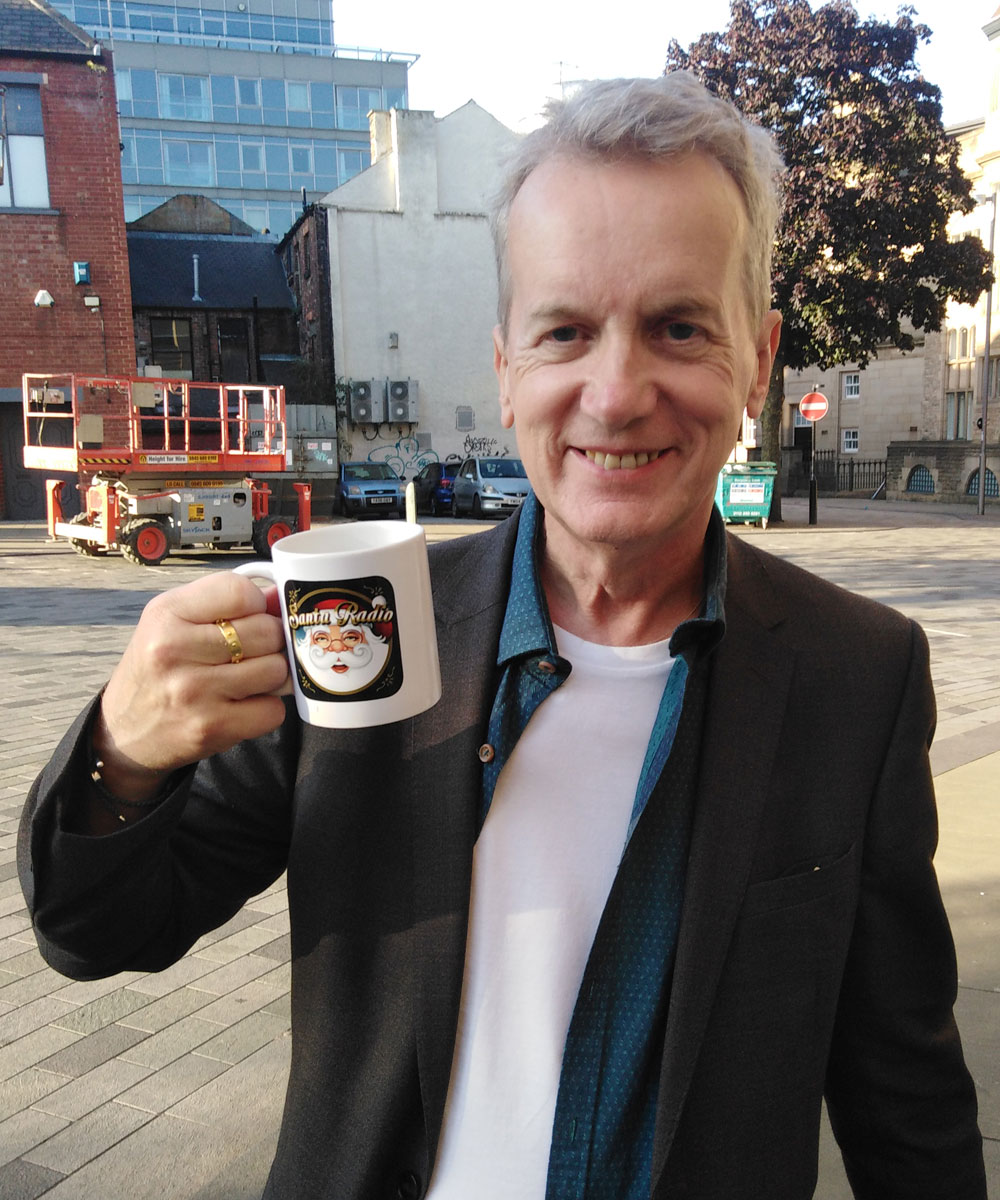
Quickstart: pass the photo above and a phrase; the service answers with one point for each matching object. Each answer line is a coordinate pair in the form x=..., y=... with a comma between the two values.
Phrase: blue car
x=432, y=488
x=370, y=489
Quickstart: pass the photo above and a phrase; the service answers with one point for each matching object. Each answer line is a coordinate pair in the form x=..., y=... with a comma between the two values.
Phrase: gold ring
x=233, y=643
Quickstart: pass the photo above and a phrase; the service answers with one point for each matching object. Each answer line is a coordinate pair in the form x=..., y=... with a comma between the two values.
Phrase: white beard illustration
x=344, y=669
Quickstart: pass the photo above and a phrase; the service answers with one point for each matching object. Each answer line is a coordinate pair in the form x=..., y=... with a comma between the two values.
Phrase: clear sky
x=511, y=55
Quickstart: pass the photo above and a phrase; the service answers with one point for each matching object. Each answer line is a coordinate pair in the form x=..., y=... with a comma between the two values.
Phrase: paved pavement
x=169, y=1086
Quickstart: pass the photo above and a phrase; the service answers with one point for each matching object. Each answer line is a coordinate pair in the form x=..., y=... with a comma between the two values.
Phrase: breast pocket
x=812, y=883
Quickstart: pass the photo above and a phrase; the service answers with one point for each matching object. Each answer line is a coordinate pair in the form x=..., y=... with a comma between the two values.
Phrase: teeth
x=626, y=462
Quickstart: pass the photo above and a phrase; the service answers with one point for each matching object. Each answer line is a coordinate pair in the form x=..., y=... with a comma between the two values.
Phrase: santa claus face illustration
x=345, y=653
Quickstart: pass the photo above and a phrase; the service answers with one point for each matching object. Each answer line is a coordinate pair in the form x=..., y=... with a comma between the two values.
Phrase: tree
x=862, y=256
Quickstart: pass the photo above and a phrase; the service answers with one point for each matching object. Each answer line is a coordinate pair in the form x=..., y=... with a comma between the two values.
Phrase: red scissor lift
x=172, y=462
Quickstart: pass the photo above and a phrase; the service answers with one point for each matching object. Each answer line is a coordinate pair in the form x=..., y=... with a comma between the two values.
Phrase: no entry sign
x=814, y=406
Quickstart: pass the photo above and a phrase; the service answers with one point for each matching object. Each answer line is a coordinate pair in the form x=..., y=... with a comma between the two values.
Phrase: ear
x=501, y=366
x=768, y=337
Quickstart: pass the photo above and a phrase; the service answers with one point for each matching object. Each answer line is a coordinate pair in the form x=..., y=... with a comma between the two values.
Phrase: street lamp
x=984, y=407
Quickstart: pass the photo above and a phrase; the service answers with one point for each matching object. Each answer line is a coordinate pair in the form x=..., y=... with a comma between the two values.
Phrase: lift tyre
x=87, y=549
x=144, y=542
x=267, y=531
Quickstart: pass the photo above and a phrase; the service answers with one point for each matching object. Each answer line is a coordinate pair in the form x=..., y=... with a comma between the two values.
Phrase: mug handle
x=256, y=570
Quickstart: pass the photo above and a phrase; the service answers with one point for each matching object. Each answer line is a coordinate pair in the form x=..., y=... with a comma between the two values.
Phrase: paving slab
x=186, y=1104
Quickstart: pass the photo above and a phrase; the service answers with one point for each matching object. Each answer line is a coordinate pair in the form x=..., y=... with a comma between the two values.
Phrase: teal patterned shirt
x=602, y=1137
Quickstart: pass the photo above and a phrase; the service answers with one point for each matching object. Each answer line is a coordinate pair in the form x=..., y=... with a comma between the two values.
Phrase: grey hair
x=611, y=120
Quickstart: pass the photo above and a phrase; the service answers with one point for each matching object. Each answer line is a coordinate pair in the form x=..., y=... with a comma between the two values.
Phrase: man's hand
x=176, y=697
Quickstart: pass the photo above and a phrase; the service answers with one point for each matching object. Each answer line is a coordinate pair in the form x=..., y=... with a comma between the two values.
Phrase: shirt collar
x=527, y=628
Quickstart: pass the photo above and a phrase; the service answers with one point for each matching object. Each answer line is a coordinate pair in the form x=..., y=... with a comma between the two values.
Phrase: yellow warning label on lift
x=196, y=512
x=157, y=460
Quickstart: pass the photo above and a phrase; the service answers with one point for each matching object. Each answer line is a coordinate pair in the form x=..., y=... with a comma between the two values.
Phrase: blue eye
x=565, y=333
x=680, y=331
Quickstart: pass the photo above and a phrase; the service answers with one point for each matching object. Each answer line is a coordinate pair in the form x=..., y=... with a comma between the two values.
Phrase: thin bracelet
x=111, y=802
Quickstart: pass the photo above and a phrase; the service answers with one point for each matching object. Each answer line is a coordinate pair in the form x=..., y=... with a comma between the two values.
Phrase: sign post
x=813, y=407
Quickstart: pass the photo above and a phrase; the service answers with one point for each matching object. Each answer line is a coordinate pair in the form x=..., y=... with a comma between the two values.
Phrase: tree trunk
x=770, y=428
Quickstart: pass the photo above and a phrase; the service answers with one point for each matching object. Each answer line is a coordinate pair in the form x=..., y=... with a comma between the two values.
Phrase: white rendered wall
x=411, y=255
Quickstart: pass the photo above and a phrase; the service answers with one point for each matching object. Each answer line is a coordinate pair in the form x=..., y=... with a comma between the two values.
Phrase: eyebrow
x=689, y=307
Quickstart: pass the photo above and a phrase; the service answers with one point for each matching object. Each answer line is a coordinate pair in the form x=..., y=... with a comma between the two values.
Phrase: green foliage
x=862, y=256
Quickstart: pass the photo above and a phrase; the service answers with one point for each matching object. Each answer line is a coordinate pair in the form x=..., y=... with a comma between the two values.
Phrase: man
x=612, y=918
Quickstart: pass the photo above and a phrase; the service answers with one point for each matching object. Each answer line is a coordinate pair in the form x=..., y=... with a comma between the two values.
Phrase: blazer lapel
x=750, y=677
x=471, y=583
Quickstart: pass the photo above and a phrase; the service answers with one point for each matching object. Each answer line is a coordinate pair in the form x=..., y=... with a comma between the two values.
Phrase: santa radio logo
x=345, y=637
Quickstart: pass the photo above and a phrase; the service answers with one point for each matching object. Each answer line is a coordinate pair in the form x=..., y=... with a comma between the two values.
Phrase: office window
x=354, y=104
x=302, y=160
x=170, y=346
x=253, y=157
x=185, y=97
x=351, y=163
x=273, y=99
x=189, y=163
x=849, y=441
x=248, y=100
x=143, y=92
x=852, y=386
x=296, y=97
x=25, y=177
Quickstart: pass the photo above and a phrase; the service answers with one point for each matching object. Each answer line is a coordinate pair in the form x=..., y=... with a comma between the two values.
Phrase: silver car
x=487, y=486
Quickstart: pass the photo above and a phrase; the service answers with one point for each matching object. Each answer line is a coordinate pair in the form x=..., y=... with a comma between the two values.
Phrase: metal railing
x=848, y=474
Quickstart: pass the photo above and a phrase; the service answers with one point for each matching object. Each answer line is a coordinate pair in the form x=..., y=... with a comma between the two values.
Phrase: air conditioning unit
x=402, y=401
x=367, y=401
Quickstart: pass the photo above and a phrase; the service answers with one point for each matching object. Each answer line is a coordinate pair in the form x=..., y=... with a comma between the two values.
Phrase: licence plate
x=380, y=499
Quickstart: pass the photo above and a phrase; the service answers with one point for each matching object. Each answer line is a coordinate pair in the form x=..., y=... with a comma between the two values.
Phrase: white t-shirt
x=543, y=867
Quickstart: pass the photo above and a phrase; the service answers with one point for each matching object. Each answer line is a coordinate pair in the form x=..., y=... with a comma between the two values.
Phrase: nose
x=621, y=385
x=337, y=644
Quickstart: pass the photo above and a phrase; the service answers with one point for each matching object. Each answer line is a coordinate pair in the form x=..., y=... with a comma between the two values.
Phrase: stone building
x=921, y=412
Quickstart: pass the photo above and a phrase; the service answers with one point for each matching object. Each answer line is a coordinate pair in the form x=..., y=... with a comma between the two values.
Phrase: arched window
x=921, y=480
x=992, y=489
x=952, y=344
x=963, y=343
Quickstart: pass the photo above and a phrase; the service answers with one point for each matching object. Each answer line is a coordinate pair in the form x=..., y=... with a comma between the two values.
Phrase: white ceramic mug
x=359, y=623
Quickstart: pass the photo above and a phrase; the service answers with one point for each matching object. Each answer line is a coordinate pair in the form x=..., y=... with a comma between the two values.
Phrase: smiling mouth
x=340, y=668
x=621, y=462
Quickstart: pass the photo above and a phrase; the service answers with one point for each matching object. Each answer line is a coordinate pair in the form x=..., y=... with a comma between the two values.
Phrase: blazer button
x=486, y=753
x=408, y=1186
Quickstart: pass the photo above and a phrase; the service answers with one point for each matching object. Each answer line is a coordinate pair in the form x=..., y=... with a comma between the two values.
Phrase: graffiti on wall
x=404, y=456
x=484, y=446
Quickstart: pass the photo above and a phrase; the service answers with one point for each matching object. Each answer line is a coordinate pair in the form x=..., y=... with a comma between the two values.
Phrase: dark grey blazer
x=814, y=955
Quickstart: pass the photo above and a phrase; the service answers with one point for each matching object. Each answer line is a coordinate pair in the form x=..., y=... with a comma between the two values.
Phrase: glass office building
x=245, y=101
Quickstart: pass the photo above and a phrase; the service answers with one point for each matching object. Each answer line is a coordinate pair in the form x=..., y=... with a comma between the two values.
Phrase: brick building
x=63, y=256
x=305, y=255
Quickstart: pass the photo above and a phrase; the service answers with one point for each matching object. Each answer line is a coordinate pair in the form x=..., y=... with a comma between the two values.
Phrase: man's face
x=628, y=356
